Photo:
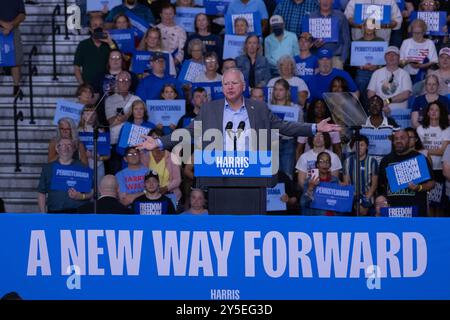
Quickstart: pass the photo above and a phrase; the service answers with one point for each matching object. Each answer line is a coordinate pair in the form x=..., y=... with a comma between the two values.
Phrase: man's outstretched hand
x=324, y=126
x=148, y=144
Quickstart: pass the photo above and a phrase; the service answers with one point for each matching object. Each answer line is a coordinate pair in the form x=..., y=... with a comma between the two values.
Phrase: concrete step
x=28, y=156
x=30, y=168
x=19, y=180
x=45, y=80
x=40, y=121
x=55, y=89
x=19, y=205
x=7, y=100
x=44, y=112
x=41, y=144
x=27, y=133
x=48, y=58
x=48, y=49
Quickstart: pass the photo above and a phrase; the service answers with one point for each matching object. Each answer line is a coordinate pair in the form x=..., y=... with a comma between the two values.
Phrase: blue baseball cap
x=325, y=53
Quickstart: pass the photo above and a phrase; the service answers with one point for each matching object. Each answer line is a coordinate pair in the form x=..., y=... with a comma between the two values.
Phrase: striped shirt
x=293, y=13
x=369, y=168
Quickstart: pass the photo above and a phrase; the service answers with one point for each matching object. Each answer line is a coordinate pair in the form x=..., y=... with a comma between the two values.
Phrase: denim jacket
x=262, y=69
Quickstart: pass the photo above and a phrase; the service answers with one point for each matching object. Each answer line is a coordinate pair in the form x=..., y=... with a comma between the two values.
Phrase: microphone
x=240, y=128
x=228, y=128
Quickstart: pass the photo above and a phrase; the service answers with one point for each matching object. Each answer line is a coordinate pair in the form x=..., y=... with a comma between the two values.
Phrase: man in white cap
x=391, y=83
x=443, y=73
x=279, y=43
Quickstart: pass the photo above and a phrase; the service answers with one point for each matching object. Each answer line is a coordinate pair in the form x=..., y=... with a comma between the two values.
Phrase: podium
x=246, y=195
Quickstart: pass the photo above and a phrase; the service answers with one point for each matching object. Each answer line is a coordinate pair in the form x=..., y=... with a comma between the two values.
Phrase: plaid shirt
x=293, y=13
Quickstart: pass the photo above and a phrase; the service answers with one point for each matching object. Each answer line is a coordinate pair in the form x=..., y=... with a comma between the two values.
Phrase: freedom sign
x=68, y=109
x=399, y=212
x=131, y=135
x=253, y=20
x=332, y=196
x=380, y=13
x=322, y=28
x=171, y=257
x=414, y=170
x=240, y=164
x=435, y=21
x=65, y=177
x=166, y=112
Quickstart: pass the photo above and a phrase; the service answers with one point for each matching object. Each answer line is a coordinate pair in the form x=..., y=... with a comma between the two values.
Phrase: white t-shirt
x=202, y=78
x=308, y=160
x=412, y=50
x=432, y=138
x=386, y=86
x=293, y=82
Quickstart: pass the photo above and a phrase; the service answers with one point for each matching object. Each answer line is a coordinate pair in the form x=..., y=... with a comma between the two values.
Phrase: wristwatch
x=388, y=100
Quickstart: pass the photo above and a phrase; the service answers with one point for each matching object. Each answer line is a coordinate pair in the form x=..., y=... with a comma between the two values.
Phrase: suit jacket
x=260, y=117
x=105, y=205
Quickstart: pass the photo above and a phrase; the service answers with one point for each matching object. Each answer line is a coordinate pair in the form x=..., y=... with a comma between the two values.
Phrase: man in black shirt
x=414, y=194
x=12, y=14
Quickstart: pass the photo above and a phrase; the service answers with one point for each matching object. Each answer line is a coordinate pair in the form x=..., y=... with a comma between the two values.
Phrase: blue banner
x=216, y=7
x=399, y=212
x=7, y=50
x=124, y=39
x=141, y=61
x=68, y=109
x=274, y=195
x=65, y=177
x=168, y=257
x=364, y=52
x=166, y=112
x=214, y=90
x=435, y=21
x=98, y=5
x=185, y=17
x=332, y=196
x=414, y=170
x=381, y=13
x=233, y=46
x=379, y=140
x=140, y=26
x=131, y=135
x=230, y=164
x=293, y=91
x=286, y=113
x=402, y=117
x=103, y=142
x=253, y=19
x=322, y=28
x=190, y=70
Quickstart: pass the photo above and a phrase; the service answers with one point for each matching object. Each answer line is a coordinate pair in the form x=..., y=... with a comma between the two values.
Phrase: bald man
x=108, y=202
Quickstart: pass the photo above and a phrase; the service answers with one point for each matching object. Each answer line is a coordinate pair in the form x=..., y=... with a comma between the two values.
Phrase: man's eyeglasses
x=123, y=80
x=210, y=60
x=131, y=154
x=116, y=57
x=391, y=79
x=324, y=161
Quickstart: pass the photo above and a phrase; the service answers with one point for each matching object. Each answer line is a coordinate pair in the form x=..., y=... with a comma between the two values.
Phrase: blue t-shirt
x=420, y=104
x=150, y=87
x=131, y=181
x=321, y=84
x=305, y=68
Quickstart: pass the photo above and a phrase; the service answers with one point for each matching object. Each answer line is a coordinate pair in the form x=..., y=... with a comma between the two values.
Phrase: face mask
x=131, y=2
x=277, y=30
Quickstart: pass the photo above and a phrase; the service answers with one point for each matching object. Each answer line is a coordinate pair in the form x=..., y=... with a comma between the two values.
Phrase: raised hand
x=148, y=144
x=324, y=126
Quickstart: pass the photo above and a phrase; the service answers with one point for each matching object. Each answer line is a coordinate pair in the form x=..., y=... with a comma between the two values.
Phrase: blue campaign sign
x=185, y=17
x=322, y=28
x=141, y=61
x=253, y=19
x=402, y=117
x=379, y=140
x=381, y=13
x=233, y=46
x=98, y=5
x=190, y=70
x=332, y=196
x=131, y=135
x=213, y=89
x=435, y=21
x=287, y=113
x=166, y=112
x=268, y=94
x=172, y=257
x=274, y=194
x=216, y=7
x=103, y=142
x=72, y=176
x=414, y=170
x=7, y=50
x=399, y=212
x=68, y=109
x=124, y=39
x=364, y=52
x=231, y=164
x=140, y=26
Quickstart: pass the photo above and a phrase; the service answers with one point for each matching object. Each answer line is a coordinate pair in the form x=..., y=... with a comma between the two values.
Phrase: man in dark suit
x=107, y=203
x=235, y=108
